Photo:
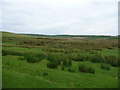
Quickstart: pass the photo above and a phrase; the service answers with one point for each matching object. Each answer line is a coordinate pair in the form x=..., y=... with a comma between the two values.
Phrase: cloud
x=60, y=16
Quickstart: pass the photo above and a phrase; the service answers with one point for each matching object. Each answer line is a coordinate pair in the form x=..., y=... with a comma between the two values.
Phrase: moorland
x=60, y=61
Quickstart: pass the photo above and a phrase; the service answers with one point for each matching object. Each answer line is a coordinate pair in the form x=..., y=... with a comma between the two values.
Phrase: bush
x=62, y=68
x=8, y=52
x=57, y=59
x=41, y=55
x=84, y=68
x=52, y=65
x=105, y=66
x=112, y=60
x=96, y=58
x=21, y=58
x=45, y=74
x=5, y=52
x=33, y=58
x=78, y=57
x=67, y=62
x=91, y=70
x=71, y=70
x=54, y=60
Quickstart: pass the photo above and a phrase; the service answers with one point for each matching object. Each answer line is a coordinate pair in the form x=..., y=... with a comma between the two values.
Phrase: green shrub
x=91, y=70
x=96, y=58
x=21, y=58
x=52, y=65
x=55, y=60
x=33, y=58
x=105, y=66
x=45, y=74
x=5, y=52
x=79, y=58
x=62, y=68
x=71, y=70
x=8, y=52
x=70, y=62
x=67, y=62
x=86, y=69
x=41, y=56
x=112, y=60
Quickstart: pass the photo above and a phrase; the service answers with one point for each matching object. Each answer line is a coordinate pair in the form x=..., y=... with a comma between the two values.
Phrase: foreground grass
x=19, y=73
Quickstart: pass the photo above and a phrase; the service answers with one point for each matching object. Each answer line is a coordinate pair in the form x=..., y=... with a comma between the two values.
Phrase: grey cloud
x=58, y=18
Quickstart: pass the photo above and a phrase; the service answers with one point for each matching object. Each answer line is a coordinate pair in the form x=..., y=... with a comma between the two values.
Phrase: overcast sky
x=79, y=17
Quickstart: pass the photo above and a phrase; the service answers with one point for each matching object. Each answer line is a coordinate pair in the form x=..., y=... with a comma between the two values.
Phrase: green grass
x=19, y=73
x=23, y=80
x=107, y=52
x=23, y=50
x=19, y=70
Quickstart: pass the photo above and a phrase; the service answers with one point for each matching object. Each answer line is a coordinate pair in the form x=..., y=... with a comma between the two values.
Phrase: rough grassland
x=18, y=73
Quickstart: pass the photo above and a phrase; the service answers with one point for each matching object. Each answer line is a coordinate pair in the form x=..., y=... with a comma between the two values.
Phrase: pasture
x=34, y=61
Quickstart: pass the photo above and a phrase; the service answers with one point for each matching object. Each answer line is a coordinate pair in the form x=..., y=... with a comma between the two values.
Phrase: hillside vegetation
x=31, y=61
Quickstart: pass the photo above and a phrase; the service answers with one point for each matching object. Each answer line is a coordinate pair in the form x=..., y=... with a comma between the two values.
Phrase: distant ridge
x=66, y=36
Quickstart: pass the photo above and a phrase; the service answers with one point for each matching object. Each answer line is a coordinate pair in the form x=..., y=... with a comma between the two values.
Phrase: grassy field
x=30, y=61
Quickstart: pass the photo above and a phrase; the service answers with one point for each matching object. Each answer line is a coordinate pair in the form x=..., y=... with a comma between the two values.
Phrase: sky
x=72, y=17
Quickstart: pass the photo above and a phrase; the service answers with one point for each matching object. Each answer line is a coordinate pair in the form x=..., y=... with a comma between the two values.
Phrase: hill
x=31, y=61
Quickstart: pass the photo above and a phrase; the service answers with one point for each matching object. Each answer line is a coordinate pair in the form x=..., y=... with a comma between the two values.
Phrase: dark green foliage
x=54, y=57
x=52, y=65
x=91, y=70
x=71, y=70
x=21, y=58
x=34, y=58
x=8, y=52
x=58, y=59
x=45, y=74
x=70, y=62
x=96, y=57
x=62, y=68
x=31, y=58
x=78, y=57
x=105, y=66
x=86, y=69
x=111, y=60
x=54, y=60
x=67, y=62
x=41, y=55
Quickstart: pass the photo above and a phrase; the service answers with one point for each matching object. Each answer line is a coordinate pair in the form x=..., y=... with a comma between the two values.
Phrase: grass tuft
x=86, y=69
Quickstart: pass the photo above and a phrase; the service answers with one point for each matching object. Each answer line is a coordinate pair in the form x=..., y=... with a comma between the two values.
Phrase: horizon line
x=63, y=34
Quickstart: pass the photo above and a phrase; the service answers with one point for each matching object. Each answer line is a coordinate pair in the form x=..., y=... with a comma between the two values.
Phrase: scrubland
x=59, y=62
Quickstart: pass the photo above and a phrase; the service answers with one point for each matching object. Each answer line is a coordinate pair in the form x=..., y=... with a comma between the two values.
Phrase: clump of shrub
x=21, y=58
x=71, y=70
x=112, y=60
x=62, y=68
x=54, y=60
x=8, y=52
x=86, y=69
x=96, y=57
x=105, y=66
x=52, y=65
x=5, y=52
x=45, y=74
x=31, y=58
x=34, y=58
x=78, y=57
x=67, y=62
